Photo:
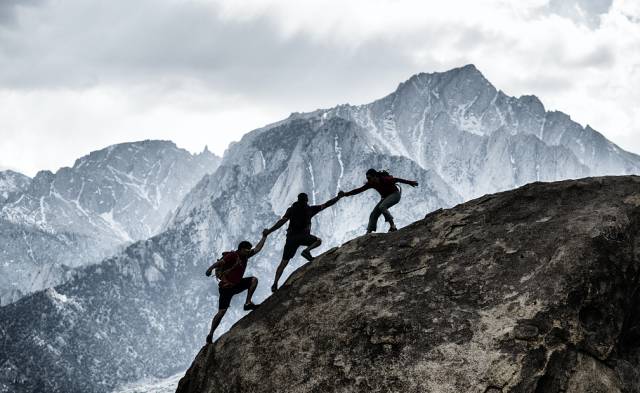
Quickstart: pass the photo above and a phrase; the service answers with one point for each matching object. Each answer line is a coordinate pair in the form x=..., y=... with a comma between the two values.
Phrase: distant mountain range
x=83, y=214
x=144, y=312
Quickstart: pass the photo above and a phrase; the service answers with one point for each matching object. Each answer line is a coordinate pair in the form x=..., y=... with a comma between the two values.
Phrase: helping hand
x=413, y=184
x=340, y=194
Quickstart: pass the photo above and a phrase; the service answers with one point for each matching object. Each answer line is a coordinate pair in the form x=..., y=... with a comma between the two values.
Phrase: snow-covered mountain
x=479, y=139
x=11, y=183
x=144, y=312
x=82, y=214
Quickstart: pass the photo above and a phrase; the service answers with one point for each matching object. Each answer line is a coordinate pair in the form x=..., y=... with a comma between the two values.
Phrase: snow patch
x=338, y=150
x=152, y=274
x=115, y=226
x=313, y=183
x=62, y=301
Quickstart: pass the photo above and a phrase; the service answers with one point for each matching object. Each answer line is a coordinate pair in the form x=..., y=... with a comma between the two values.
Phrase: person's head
x=244, y=248
x=303, y=198
x=372, y=176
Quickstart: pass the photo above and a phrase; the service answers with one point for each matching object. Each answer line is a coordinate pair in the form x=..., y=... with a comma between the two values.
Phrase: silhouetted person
x=390, y=195
x=230, y=271
x=299, y=231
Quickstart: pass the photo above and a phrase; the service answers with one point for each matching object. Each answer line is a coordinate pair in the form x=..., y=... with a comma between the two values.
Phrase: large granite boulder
x=531, y=290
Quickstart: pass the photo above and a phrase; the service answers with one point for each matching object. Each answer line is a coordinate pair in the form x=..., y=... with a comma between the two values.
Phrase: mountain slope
x=82, y=214
x=144, y=312
x=531, y=290
x=11, y=183
x=448, y=121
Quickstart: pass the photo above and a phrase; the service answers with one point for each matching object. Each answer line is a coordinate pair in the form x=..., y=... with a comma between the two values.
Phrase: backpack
x=221, y=270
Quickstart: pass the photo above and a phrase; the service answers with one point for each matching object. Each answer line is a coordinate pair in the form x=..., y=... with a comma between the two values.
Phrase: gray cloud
x=87, y=44
x=581, y=11
x=10, y=8
x=137, y=64
x=599, y=57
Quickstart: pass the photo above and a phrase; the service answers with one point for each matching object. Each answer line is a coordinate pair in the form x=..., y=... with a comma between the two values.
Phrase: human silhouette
x=299, y=231
x=230, y=271
x=390, y=195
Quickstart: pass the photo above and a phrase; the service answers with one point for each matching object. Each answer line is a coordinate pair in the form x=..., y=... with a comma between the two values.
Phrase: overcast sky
x=78, y=75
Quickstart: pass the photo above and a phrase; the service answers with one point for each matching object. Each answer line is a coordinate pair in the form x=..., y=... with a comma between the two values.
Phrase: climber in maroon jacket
x=390, y=194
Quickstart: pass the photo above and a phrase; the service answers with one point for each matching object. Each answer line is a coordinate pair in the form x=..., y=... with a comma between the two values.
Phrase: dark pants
x=227, y=293
x=294, y=241
x=383, y=208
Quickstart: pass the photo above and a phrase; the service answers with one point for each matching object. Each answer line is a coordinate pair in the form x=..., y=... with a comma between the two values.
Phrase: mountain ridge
x=82, y=214
x=155, y=288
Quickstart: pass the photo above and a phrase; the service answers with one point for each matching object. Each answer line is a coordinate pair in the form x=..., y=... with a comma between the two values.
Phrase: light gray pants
x=383, y=208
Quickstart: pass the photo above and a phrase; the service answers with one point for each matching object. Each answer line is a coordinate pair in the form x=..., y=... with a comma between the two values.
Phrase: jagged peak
x=533, y=101
x=108, y=152
x=422, y=80
x=12, y=173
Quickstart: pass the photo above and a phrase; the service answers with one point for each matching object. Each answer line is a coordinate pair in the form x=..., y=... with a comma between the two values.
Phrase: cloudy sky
x=78, y=75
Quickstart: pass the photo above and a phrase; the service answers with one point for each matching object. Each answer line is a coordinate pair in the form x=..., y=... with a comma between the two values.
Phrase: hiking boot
x=274, y=288
x=393, y=229
x=306, y=254
x=209, y=339
x=250, y=306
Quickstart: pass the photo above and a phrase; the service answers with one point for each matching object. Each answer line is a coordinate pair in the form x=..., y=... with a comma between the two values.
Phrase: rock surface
x=531, y=290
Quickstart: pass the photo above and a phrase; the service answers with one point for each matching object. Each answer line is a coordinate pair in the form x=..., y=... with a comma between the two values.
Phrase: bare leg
x=279, y=271
x=313, y=245
x=252, y=289
x=215, y=322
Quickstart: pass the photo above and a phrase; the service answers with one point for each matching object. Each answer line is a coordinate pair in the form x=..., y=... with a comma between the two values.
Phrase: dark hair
x=303, y=197
x=245, y=245
x=372, y=172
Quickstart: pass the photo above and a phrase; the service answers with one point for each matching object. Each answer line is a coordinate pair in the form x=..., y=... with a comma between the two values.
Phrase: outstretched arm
x=276, y=226
x=330, y=202
x=412, y=183
x=260, y=244
x=355, y=191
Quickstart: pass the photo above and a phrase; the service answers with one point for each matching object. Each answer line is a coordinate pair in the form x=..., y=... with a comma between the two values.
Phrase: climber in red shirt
x=390, y=194
x=230, y=271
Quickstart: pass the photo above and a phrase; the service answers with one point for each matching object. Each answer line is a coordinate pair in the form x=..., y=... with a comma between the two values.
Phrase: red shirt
x=237, y=265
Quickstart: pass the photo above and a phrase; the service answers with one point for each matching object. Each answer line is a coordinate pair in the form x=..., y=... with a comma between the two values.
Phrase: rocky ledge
x=530, y=290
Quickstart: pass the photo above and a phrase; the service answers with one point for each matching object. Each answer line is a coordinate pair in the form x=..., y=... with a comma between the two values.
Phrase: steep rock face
x=83, y=214
x=531, y=290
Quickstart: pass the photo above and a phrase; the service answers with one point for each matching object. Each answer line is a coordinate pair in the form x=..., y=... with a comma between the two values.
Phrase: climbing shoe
x=307, y=255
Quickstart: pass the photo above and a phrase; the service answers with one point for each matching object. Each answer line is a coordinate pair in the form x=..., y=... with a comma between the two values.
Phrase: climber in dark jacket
x=390, y=194
x=230, y=271
x=299, y=231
